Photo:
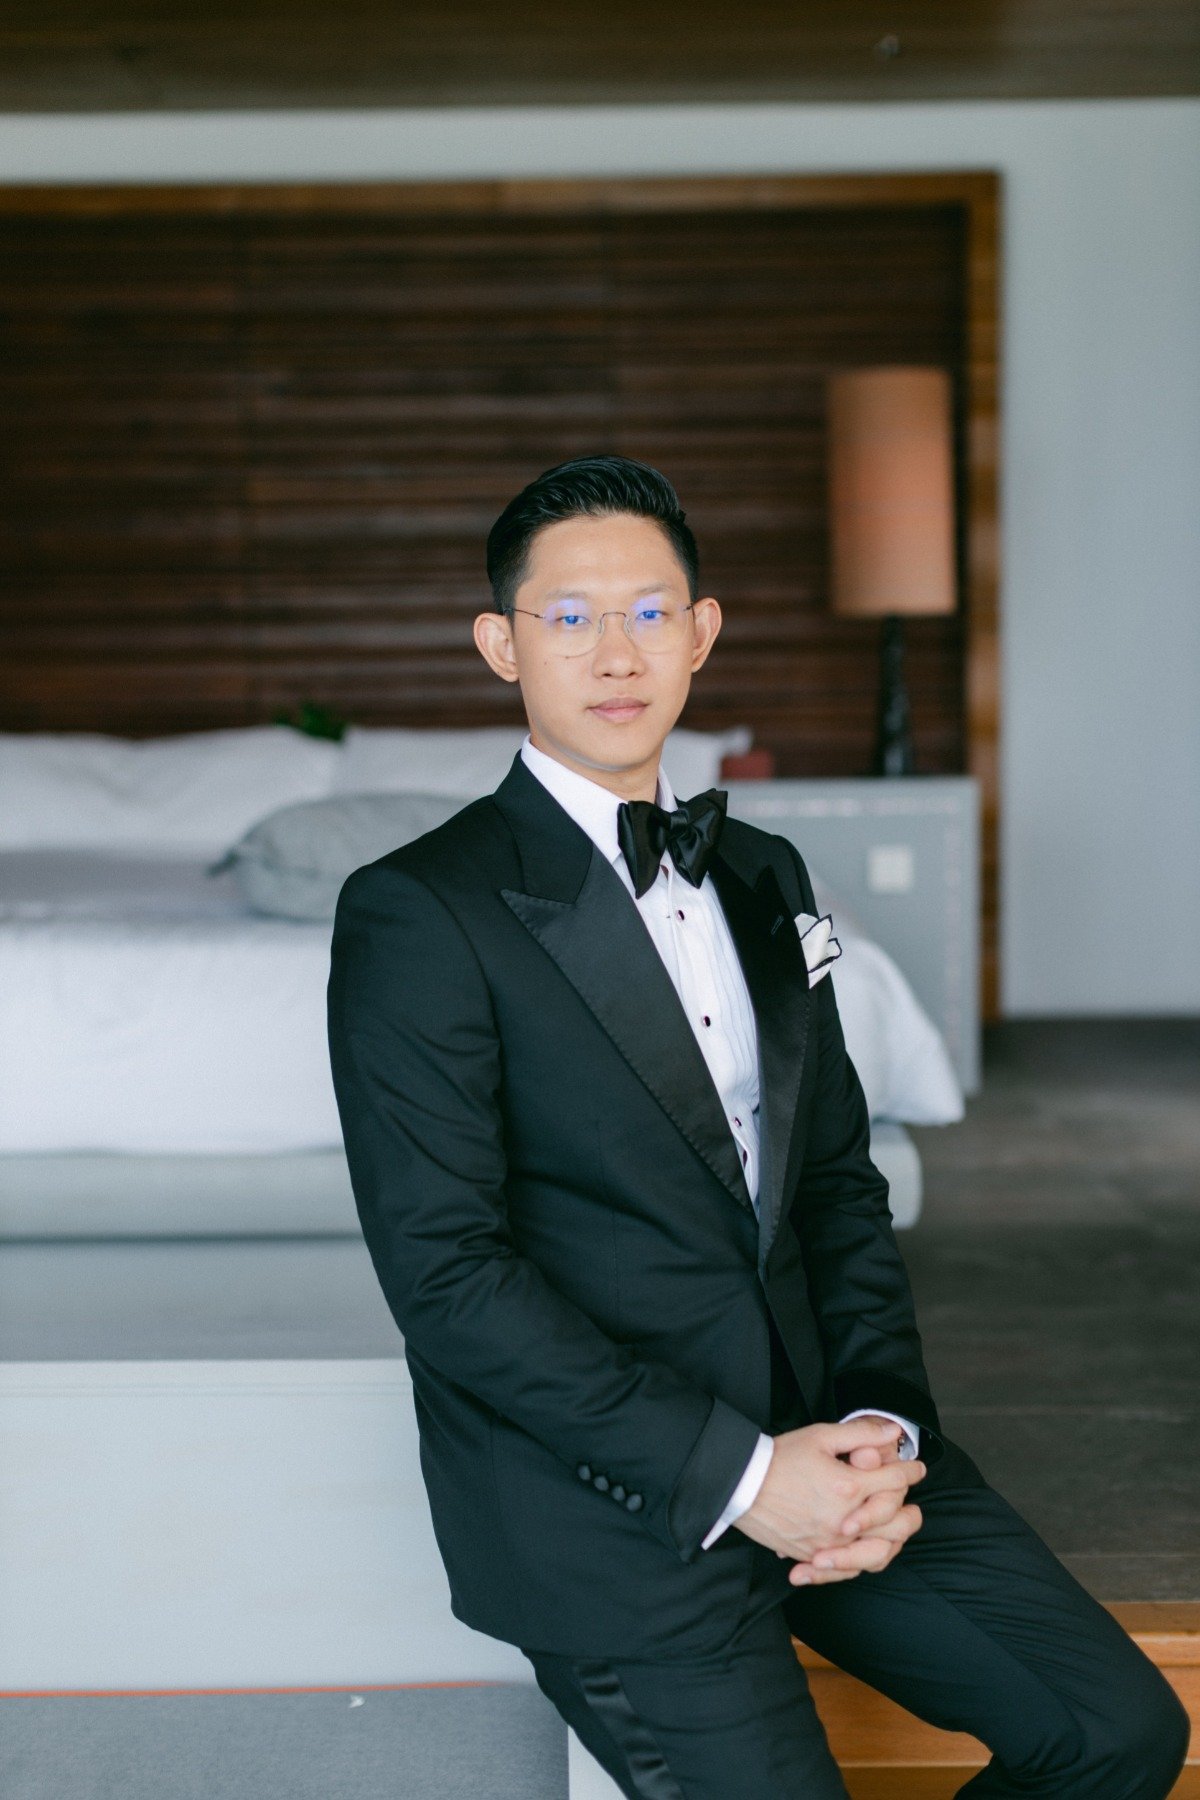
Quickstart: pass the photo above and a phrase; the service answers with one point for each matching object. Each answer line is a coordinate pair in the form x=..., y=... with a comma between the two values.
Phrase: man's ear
x=492, y=632
x=706, y=615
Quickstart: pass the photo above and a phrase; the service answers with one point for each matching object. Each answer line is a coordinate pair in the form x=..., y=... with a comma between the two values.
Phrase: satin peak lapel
x=772, y=958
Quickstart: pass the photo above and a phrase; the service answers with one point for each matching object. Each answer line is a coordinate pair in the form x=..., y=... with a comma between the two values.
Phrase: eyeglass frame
x=610, y=612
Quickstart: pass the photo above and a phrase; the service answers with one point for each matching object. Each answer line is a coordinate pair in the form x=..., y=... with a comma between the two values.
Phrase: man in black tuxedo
x=611, y=1162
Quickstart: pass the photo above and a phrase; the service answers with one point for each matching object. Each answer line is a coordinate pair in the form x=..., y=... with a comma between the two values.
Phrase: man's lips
x=620, y=709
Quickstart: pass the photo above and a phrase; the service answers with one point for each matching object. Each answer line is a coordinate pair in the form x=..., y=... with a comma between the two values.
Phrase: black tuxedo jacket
x=556, y=1210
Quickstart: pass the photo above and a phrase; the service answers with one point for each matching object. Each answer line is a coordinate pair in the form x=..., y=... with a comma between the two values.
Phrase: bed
x=163, y=1062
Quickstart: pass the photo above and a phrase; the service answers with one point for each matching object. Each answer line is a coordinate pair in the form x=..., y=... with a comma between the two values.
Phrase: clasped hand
x=833, y=1500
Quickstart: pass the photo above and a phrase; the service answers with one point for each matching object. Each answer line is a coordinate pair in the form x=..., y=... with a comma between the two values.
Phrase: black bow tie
x=690, y=833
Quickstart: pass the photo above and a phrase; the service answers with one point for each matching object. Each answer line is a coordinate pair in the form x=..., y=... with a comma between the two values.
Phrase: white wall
x=1100, y=504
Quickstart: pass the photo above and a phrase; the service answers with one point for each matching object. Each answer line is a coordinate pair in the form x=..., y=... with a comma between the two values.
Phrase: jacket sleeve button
x=601, y=1482
x=584, y=1472
x=634, y=1503
x=618, y=1493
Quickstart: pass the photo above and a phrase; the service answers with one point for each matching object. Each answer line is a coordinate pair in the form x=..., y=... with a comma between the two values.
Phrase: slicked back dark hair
x=587, y=486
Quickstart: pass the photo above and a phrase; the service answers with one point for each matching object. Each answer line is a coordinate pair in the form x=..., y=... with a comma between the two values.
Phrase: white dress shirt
x=691, y=934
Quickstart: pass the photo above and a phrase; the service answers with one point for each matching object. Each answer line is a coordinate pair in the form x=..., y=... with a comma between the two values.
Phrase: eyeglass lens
x=575, y=625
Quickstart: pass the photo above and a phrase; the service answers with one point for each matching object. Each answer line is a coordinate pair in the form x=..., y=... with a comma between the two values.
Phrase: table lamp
x=891, y=513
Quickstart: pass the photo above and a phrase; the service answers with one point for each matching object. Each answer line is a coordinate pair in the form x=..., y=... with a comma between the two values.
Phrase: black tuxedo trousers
x=975, y=1626
x=596, y=1321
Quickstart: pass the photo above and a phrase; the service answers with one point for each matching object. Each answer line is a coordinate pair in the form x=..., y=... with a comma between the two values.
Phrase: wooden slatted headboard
x=255, y=437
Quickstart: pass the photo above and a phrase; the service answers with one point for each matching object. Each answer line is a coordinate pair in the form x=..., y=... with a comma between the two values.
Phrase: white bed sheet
x=144, y=1009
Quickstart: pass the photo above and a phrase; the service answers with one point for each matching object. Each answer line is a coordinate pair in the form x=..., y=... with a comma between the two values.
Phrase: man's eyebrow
x=651, y=587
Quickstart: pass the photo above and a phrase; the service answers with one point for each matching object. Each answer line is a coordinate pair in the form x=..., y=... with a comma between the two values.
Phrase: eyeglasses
x=571, y=627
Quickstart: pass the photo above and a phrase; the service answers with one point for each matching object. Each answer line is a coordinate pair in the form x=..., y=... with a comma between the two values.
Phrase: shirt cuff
x=746, y=1491
x=908, y=1443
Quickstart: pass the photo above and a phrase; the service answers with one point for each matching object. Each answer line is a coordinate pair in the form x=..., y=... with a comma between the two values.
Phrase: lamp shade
x=891, y=491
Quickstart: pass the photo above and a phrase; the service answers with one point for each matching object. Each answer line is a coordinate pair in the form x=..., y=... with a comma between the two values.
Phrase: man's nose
x=615, y=649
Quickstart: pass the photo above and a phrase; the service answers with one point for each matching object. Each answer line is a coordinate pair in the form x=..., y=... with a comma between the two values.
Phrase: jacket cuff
x=868, y=1389
x=746, y=1492
x=706, y=1482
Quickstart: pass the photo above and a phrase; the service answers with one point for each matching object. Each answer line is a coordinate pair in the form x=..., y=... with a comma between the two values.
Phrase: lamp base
x=893, y=739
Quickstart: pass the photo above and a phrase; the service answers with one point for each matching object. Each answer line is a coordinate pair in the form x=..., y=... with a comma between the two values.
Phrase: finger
x=871, y=1518
x=906, y=1522
x=839, y=1439
x=893, y=1478
x=900, y=1526
x=804, y=1575
x=867, y=1553
x=901, y=1474
x=896, y=1533
x=871, y=1456
x=867, y=1456
x=856, y=1487
x=875, y=1512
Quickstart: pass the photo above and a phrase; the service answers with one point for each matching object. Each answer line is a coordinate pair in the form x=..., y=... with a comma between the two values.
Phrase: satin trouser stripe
x=650, y=1776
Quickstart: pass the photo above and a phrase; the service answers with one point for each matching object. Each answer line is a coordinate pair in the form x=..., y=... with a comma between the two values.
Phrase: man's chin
x=611, y=744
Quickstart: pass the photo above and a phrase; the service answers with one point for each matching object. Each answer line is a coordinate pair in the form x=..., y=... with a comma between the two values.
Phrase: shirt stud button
x=707, y=1020
x=679, y=914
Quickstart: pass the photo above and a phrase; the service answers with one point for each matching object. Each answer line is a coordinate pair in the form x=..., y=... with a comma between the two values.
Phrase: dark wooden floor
x=1057, y=1274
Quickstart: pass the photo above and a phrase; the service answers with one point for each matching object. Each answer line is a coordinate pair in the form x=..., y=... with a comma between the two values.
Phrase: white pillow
x=292, y=864
x=471, y=763
x=190, y=794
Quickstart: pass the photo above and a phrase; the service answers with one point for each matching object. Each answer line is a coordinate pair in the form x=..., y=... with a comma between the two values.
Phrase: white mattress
x=144, y=1009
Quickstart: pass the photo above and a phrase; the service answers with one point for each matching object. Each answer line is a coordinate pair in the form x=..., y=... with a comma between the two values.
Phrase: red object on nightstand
x=751, y=765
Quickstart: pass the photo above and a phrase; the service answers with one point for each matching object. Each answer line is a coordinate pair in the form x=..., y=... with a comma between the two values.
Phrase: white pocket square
x=821, y=948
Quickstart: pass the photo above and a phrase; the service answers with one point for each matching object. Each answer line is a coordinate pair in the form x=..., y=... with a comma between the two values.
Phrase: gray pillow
x=293, y=862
